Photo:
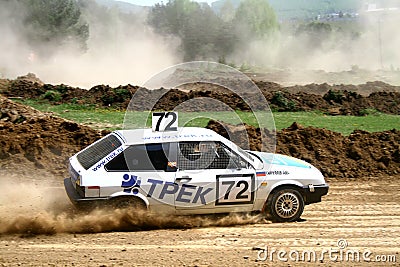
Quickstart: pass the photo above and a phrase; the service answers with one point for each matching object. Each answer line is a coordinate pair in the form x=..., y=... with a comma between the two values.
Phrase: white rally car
x=190, y=171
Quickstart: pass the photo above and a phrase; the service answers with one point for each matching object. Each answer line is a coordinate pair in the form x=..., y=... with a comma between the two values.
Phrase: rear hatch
x=92, y=158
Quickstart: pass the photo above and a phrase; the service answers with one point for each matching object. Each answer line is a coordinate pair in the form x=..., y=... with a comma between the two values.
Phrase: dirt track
x=365, y=213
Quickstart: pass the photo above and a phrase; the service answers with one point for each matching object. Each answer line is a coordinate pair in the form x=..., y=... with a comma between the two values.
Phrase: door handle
x=185, y=177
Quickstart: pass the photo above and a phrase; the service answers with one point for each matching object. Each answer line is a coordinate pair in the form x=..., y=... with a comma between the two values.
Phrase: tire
x=128, y=203
x=284, y=205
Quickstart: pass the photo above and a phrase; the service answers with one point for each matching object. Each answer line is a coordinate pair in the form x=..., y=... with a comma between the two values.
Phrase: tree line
x=45, y=22
x=204, y=34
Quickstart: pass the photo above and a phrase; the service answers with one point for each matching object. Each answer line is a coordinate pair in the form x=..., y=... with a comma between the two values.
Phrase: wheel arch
x=288, y=184
x=139, y=197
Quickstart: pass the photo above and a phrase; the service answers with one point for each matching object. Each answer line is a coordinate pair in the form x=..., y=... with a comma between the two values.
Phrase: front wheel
x=284, y=205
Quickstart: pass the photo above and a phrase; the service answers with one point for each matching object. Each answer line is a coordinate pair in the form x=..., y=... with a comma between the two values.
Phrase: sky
x=152, y=2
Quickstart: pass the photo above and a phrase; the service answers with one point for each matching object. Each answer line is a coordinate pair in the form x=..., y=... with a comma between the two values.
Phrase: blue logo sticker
x=130, y=184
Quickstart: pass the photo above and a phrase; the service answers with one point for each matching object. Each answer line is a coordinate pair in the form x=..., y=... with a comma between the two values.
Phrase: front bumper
x=77, y=199
x=313, y=193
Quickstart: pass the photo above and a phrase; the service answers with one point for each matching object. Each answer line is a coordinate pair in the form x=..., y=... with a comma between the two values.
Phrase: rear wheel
x=128, y=203
x=284, y=205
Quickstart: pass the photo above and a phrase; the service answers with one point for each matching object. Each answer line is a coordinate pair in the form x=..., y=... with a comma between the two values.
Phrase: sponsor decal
x=177, y=136
x=108, y=158
x=277, y=172
x=130, y=184
x=274, y=172
x=184, y=193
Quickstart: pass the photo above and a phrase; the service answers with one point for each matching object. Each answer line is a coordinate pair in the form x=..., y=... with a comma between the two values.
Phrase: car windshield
x=253, y=159
x=245, y=154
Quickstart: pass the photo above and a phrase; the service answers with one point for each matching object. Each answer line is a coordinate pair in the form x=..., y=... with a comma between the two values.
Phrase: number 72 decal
x=235, y=189
x=167, y=121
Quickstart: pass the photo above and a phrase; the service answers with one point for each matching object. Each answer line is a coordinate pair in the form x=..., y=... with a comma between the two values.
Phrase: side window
x=148, y=157
x=208, y=155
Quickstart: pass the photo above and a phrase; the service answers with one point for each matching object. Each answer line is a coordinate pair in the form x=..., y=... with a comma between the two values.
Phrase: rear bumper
x=313, y=193
x=77, y=199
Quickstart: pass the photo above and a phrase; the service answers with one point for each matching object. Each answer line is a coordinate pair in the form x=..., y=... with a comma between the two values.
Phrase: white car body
x=173, y=180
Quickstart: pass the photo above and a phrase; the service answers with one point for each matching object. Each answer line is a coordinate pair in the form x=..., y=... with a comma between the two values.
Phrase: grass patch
x=376, y=122
x=112, y=119
x=98, y=118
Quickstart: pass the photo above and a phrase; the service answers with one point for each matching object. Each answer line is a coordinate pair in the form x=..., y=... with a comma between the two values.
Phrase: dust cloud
x=121, y=49
x=30, y=209
x=128, y=61
x=368, y=42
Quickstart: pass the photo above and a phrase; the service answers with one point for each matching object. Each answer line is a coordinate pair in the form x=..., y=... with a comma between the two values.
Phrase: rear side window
x=94, y=153
x=148, y=157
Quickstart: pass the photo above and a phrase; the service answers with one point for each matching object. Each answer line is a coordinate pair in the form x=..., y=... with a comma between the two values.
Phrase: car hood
x=281, y=160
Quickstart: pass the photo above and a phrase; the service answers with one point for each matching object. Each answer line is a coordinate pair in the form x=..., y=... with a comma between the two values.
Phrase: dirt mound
x=4, y=85
x=100, y=95
x=321, y=89
x=176, y=97
x=362, y=154
x=356, y=75
x=334, y=100
x=30, y=77
x=34, y=140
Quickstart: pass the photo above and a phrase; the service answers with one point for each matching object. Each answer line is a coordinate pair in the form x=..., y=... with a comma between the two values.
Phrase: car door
x=212, y=179
x=145, y=169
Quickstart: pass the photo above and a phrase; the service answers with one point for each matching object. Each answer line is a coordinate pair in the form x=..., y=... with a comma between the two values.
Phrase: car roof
x=140, y=136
